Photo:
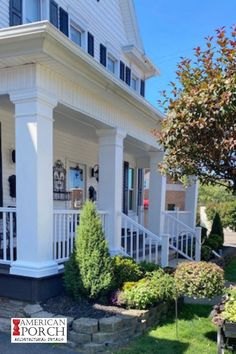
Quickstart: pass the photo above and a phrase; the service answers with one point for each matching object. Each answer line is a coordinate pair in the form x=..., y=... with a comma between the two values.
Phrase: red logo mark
x=16, y=329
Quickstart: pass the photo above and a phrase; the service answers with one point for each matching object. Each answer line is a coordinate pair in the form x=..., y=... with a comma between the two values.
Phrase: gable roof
x=131, y=23
x=134, y=47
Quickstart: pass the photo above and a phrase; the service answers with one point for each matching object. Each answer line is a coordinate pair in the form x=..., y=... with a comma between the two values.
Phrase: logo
x=39, y=330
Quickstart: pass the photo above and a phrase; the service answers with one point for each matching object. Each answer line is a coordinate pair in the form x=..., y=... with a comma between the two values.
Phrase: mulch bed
x=66, y=306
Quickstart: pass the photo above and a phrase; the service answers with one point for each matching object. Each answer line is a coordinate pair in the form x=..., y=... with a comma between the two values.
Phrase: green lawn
x=230, y=270
x=197, y=335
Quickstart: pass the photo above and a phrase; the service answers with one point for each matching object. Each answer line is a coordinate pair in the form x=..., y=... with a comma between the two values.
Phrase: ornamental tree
x=199, y=131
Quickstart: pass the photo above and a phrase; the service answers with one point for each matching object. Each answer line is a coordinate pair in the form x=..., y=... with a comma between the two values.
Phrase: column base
x=34, y=270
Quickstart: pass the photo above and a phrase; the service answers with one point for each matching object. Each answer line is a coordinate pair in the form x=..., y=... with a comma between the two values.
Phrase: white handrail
x=139, y=242
x=186, y=227
x=141, y=227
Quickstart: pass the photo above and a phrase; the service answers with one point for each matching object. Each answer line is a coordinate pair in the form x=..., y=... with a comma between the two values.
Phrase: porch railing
x=183, y=239
x=7, y=235
x=65, y=223
x=140, y=243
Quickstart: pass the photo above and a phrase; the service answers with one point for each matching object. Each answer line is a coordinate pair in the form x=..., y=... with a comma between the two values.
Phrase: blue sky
x=172, y=28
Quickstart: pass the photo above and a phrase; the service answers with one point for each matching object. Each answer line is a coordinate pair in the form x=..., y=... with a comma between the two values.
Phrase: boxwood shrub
x=147, y=292
x=199, y=279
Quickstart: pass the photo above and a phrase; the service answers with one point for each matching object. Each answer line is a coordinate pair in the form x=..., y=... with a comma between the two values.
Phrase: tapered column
x=34, y=194
x=157, y=195
x=111, y=182
x=191, y=197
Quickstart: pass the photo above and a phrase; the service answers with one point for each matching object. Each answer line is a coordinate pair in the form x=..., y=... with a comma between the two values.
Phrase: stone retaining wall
x=89, y=335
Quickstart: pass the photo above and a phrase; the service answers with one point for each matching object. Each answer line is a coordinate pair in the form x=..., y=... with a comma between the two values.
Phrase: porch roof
x=41, y=42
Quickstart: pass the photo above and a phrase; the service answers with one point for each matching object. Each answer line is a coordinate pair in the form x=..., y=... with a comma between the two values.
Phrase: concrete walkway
x=6, y=347
x=230, y=238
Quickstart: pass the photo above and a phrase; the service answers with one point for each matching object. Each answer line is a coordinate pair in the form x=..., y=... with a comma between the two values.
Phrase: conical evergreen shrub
x=92, y=254
x=217, y=228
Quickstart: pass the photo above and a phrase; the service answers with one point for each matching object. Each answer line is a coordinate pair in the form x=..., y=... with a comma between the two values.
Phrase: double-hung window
x=111, y=64
x=134, y=83
x=76, y=34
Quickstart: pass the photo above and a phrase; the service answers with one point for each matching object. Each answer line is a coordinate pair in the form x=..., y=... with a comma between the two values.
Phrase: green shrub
x=229, y=313
x=199, y=279
x=206, y=253
x=125, y=270
x=217, y=228
x=214, y=242
x=72, y=278
x=147, y=292
x=147, y=267
x=92, y=254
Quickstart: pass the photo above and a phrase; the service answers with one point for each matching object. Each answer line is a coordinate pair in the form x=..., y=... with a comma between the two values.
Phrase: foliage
x=214, y=242
x=227, y=212
x=146, y=267
x=125, y=270
x=148, y=291
x=92, y=255
x=196, y=334
x=199, y=279
x=229, y=312
x=206, y=253
x=217, y=227
x=213, y=194
x=230, y=270
x=72, y=278
x=203, y=101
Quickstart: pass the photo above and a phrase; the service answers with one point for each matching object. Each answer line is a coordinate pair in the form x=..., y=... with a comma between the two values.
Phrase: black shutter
x=91, y=44
x=140, y=188
x=15, y=12
x=64, y=21
x=142, y=88
x=122, y=71
x=127, y=75
x=125, y=187
x=54, y=13
x=103, y=55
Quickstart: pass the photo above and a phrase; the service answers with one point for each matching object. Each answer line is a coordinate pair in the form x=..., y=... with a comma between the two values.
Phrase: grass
x=196, y=335
x=230, y=270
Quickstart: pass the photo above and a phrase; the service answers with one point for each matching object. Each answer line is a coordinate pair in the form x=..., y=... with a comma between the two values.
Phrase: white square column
x=157, y=195
x=34, y=190
x=111, y=183
x=191, y=198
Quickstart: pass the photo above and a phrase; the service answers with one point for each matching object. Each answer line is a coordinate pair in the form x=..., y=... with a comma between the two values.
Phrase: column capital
x=111, y=136
x=33, y=95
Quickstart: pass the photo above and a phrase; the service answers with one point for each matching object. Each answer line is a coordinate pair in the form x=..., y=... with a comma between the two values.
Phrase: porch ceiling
x=82, y=126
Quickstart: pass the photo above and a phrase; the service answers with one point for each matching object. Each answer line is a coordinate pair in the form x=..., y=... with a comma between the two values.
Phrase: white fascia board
x=43, y=40
x=141, y=60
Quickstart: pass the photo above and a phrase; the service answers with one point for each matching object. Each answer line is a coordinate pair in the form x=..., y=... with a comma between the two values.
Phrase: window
x=54, y=13
x=134, y=83
x=32, y=10
x=127, y=75
x=15, y=12
x=76, y=34
x=111, y=64
x=131, y=188
x=122, y=71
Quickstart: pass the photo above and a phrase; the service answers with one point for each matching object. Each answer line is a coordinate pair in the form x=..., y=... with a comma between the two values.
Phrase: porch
x=60, y=107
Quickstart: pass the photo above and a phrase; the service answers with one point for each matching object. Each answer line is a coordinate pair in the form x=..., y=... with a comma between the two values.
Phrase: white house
x=74, y=125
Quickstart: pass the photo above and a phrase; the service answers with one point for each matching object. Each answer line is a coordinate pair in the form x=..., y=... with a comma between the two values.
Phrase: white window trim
x=115, y=60
x=79, y=29
x=81, y=25
x=135, y=77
